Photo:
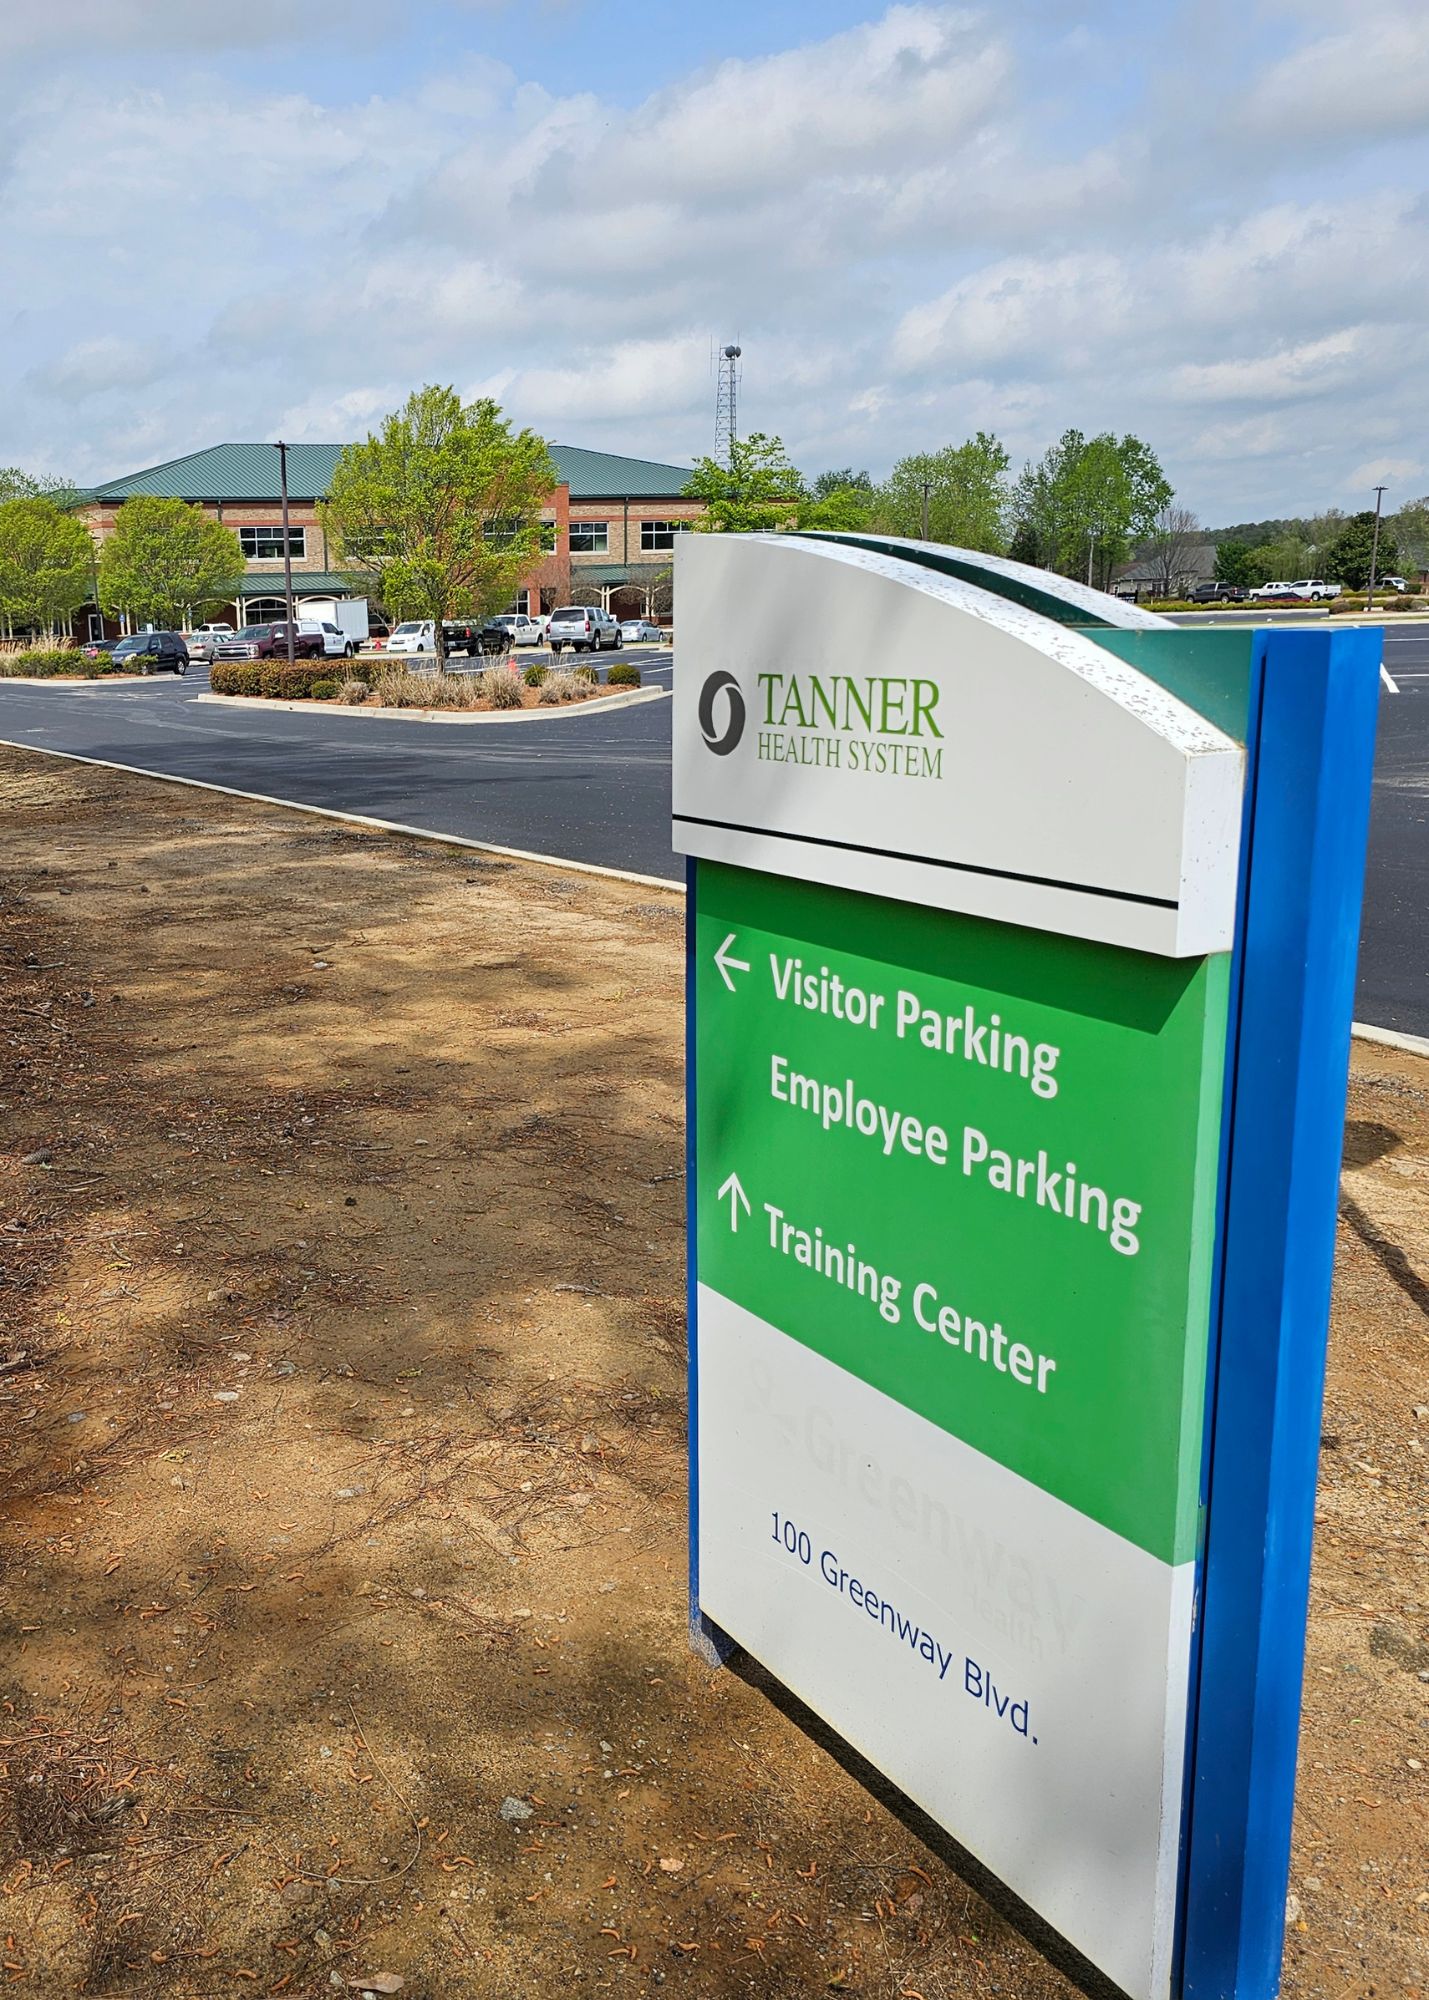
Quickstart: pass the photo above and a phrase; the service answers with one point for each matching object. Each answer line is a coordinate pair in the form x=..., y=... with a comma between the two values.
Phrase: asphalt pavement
x=594, y=785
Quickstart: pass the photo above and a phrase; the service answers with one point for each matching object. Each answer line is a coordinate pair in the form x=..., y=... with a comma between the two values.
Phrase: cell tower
x=726, y=404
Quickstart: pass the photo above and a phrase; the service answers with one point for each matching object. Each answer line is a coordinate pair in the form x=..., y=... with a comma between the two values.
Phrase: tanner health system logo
x=721, y=741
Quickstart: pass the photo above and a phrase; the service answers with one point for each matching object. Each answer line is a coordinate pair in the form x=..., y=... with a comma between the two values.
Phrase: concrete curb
x=73, y=684
x=599, y=704
x=1388, y=1038
x=357, y=819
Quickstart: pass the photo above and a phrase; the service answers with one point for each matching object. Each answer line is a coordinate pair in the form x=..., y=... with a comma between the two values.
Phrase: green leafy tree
x=1233, y=564
x=841, y=510
x=758, y=490
x=166, y=561
x=439, y=514
x=46, y=564
x=1347, y=559
x=17, y=484
x=958, y=495
x=844, y=480
x=1086, y=501
x=1410, y=529
x=1281, y=561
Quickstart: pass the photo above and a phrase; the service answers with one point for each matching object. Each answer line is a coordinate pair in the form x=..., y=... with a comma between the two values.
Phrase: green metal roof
x=250, y=472
x=306, y=583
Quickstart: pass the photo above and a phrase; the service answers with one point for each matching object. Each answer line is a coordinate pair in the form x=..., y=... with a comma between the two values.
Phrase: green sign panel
x=974, y=1167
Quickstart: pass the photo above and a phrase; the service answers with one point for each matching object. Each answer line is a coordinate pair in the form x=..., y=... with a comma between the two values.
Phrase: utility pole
x=926, y=485
x=287, y=545
x=1374, y=546
x=1091, y=551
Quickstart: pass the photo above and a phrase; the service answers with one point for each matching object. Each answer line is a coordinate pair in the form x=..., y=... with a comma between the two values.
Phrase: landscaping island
x=393, y=684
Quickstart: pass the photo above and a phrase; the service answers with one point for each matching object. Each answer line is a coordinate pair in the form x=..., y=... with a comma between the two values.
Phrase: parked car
x=1311, y=589
x=150, y=651
x=472, y=637
x=337, y=644
x=1397, y=584
x=204, y=640
x=1266, y=590
x=413, y=635
x=270, y=642
x=92, y=648
x=636, y=631
x=1218, y=593
x=585, y=627
x=525, y=631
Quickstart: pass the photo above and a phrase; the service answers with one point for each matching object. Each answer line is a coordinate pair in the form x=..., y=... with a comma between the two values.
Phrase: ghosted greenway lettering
x=881, y=723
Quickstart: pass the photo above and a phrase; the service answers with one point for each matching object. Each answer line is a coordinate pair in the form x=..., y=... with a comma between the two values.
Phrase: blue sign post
x=1042, y=1492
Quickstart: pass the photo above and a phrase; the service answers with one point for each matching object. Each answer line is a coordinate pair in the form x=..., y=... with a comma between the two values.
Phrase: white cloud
x=914, y=224
x=1369, y=79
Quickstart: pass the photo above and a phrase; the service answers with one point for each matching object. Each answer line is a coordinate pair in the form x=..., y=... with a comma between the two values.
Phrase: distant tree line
x=1080, y=509
x=1334, y=545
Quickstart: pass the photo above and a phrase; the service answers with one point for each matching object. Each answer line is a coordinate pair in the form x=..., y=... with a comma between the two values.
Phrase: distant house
x=609, y=524
x=1145, y=575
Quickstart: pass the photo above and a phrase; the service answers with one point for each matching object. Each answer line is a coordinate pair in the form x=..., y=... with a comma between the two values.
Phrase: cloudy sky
x=1204, y=222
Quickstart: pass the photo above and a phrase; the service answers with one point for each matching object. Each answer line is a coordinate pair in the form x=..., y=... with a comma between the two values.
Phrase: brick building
x=610, y=525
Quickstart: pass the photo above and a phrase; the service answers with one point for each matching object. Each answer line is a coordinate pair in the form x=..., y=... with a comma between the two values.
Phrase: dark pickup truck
x=270, y=642
x=463, y=635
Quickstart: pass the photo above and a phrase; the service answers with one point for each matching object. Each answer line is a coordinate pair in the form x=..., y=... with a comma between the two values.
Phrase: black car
x=1217, y=593
x=149, y=651
x=465, y=636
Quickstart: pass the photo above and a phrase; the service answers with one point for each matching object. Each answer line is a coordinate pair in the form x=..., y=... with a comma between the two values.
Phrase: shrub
x=534, y=675
x=585, y=672
x=562, y=686
x=624, y=674
x=45, y=662
x=500, y=687
x=235, y=676
x=324, y=690
x=354, y=691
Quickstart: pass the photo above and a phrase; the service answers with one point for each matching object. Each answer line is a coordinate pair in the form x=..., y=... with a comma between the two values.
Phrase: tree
x=959, y=495
x=840, y=510
x=46, y=564
x=1176, y=535
x=1410, y=528
x=1086, y=501
x=842, y=481
x=1280, y=561
x=17, y=484
x=439, y=514
x=1347, y=559
x=166, y=561
x=758, y=490
x=1233, y=565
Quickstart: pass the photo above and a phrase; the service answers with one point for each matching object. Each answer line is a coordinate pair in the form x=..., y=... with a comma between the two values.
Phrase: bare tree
x=1176, y=534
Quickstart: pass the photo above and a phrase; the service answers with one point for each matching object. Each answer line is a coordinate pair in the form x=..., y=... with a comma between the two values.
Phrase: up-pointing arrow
x=737, y=1199
x=727, y=964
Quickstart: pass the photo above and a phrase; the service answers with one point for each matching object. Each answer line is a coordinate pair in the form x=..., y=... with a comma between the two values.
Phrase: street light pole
x=1091, y=551
x=1374, y=546
x=926, y=484
x=287, y=545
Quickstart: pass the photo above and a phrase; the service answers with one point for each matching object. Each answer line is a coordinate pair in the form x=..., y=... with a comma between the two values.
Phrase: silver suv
x=584, y=627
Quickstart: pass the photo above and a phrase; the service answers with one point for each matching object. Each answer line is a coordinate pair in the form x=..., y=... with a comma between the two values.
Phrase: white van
x=413, y=635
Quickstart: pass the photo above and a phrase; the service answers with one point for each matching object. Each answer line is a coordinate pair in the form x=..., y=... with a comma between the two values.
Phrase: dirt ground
x=342, y=1453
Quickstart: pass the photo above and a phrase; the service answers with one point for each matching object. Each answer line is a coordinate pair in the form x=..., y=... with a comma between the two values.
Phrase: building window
x=590, y=538
x=660, y=534
x=266, y=544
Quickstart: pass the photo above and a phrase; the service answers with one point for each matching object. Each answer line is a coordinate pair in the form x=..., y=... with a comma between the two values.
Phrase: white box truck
x=349, y=614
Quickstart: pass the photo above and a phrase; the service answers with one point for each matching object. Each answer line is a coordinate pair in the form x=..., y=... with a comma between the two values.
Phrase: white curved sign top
x=847, y=717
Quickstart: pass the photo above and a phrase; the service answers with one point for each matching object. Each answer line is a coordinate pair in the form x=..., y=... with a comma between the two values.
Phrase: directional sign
x=1014, y=1061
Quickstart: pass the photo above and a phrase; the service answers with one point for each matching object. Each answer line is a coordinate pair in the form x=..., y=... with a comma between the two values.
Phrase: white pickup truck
x=1305, y=589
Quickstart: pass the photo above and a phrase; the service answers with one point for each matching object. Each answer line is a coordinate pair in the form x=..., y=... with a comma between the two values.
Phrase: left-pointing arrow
x=738, y=1200
x=727, y=964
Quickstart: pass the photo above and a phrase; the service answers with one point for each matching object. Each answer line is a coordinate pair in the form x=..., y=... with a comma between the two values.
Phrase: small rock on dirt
x=41, y=1157
x=515, y=1809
